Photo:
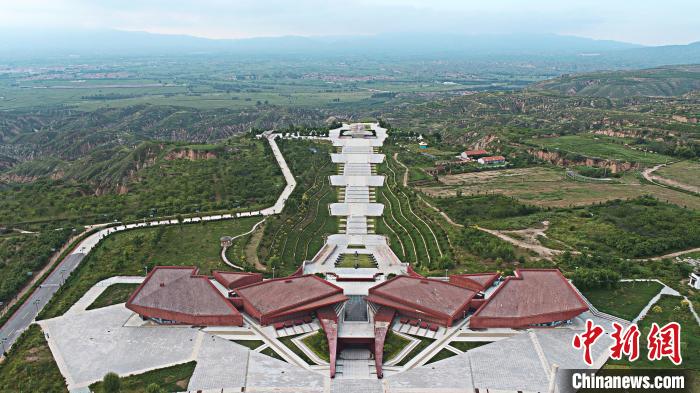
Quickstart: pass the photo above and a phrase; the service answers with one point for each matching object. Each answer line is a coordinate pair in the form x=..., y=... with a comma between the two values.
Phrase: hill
x=659, y=82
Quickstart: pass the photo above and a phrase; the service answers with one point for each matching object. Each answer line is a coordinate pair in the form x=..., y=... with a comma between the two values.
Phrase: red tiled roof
x=429, y=296
x=178, y=294
x=233, y=280
x=493, y=158
x=476, y=281
x=533, y=296
x=290, y=294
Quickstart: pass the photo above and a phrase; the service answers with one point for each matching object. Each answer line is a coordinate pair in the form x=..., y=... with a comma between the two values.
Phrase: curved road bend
x=27, y=312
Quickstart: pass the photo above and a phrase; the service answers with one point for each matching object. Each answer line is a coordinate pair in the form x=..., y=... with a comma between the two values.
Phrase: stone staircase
x=355, y=363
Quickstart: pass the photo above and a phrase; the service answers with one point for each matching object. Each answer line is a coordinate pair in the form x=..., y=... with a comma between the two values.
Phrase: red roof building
x=531, y=297
x=288, y=298
x=477, y=282
x=474, y=153
x=177, y=295
x=423, y=298
x=492, y=160
x=233, y=280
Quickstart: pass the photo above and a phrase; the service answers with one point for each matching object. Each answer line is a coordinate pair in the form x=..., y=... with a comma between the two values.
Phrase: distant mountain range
x=109, y=42
x=550, y=48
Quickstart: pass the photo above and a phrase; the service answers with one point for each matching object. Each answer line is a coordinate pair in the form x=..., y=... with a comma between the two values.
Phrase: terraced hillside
x=658, y=82
x=298, y=233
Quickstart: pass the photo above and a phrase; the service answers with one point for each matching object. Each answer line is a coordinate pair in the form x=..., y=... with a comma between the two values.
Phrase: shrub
x=111, y=383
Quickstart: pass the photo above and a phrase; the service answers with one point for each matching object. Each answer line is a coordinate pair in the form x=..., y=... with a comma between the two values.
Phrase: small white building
x=694, y=280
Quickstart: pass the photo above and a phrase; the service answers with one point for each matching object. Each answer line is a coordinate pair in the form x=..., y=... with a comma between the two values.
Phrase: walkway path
x=671, y=255
x=28, y=311
x=223, y=249
x=542, y=251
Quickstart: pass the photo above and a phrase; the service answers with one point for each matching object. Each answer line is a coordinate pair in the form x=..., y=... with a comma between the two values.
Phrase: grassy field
x=442, y=355
x=670, y=310
x=424, y=343
x=626, y=301
x=318, y=344
x=271, y=353
x=169, y=379
x=685, y=172
x=393, y=344
x=356, y=260
x=30, y=367
x=127, y=253
x=599, y=147
x=114, y=294
x=548, y=187
x=464, y=346
x=250, y=344
x=287, y=341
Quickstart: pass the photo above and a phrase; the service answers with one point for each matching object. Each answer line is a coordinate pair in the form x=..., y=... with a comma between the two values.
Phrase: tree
x=111, y=383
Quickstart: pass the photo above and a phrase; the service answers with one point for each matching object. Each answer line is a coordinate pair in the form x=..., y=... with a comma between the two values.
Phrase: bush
x=111, y=383
x=587, y=278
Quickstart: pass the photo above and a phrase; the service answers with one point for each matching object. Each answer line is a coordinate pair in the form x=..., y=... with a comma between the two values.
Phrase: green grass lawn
x=271, y=353
x=464, y=346
x=251, y=344
x=128, y=252
x=442, y=355
x=625, y=301
x=393, y=344
x=356, y=261
x=170, y=379
x=424, y=343
x=671, y=311
x=290, y=344
x=114, y=294
x=684, y=172
x=30, y=367
x=318, y=344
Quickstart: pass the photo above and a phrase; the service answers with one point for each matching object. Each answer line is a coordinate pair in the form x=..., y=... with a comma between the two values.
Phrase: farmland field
x=548, y=187
x=599, y=147
x=685, y=172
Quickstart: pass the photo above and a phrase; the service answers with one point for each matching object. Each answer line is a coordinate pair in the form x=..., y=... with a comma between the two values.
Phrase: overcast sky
x=651, y=22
